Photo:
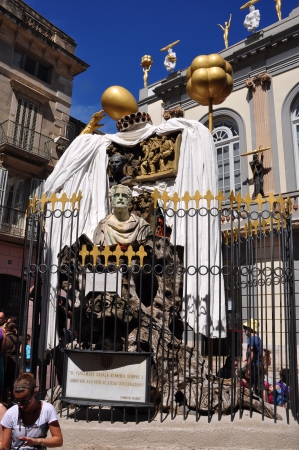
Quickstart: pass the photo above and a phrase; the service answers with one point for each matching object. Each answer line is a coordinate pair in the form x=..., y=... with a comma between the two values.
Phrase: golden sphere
x=200, y=62
x=118, y=102
x=209, y=79
x=146, y=61
x=216, y=60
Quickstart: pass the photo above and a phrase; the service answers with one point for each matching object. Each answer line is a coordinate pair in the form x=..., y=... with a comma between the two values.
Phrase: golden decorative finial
x=106, y=253
x=232, y=199
x=43, y=201
x=83, y=253
x=209, y=197
x=271, y=199
x=95, y=253
x=53, y=199
x=248, y=201
x=165, y=197
x=79, y=198
x=186, y=199
x=239, y=200
x=146, y=63
x=130, y=253
x=156, y=195
x=259, y=200
x=210, y=81
x=141, y=253
x=278, y=8
x=220, y=198
x=197, y=197
x=63, y=199
x=175, y=199
x=226, y=30
x=118, y=253
x=250, y=3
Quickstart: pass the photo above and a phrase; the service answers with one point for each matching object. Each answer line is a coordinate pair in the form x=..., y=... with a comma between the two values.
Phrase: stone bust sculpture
x=121, y=227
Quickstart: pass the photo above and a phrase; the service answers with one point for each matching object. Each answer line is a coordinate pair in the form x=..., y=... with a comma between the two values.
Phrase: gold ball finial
x=209, y=79
x=146, y=61
x=118, y=102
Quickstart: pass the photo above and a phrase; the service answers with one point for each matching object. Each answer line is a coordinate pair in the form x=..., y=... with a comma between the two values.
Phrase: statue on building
x=121, y=227
x=258, y=175
x=252, y=20
x=146, y=63
x=226, y=29
x=170, y=58
x=278, y=8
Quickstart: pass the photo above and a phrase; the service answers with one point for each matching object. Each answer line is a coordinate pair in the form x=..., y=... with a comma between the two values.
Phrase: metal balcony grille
x=25, y=138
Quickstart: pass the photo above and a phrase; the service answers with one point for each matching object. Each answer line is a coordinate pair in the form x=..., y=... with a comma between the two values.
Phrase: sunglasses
x=23, y=402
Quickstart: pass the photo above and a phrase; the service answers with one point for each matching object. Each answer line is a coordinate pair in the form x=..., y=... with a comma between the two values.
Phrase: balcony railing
x=25, y=139
x=12, y=221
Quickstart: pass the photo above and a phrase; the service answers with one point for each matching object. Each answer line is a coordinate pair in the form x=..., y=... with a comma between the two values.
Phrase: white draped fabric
x=84, y=167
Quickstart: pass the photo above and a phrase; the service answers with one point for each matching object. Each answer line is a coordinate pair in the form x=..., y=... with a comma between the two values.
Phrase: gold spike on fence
x=107, y=253
x=54, y=202
x=233, y=202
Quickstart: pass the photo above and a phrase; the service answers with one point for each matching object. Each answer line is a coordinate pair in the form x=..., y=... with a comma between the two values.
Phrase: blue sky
x=112, y=36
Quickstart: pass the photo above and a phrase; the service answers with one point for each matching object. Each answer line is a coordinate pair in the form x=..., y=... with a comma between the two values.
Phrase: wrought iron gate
x=177, y=306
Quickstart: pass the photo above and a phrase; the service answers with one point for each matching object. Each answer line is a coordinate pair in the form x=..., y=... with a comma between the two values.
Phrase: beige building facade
x=263, y=110
x=37, y=68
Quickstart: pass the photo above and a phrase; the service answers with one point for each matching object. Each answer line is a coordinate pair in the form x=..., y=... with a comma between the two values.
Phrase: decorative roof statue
x=170, y=58
x=252, y=20
x=278, y=8
x=226, y=29
x=146, y=63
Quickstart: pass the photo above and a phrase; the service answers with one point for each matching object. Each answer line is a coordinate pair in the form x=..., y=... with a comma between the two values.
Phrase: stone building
x=263, y=110
x=37, y=68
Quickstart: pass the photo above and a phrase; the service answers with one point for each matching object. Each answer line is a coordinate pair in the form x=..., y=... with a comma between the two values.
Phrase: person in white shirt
x=27, y=422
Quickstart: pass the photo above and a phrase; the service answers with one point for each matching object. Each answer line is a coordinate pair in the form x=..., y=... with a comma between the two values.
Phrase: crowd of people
x=10, y=351
x=254, y=374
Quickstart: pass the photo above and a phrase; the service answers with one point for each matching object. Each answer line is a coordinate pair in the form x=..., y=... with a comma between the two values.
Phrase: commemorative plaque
x=107, y=377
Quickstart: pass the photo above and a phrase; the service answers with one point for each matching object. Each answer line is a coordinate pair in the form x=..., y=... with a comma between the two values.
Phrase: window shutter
x=36, y=188
x=3, y=183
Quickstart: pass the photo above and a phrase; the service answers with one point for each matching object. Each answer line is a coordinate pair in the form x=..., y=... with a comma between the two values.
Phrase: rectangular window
x=31, y=66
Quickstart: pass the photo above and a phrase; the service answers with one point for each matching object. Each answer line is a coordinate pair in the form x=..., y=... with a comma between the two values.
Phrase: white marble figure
x=170, y=60
x=121, y=227
x=252, y=20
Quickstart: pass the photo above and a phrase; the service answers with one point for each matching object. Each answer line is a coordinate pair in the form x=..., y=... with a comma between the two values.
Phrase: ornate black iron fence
x=160, y=326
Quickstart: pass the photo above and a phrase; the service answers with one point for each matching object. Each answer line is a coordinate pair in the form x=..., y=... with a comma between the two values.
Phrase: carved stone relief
x=153, y=158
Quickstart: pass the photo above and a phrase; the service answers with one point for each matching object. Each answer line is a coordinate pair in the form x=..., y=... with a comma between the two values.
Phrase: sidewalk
x=246, y=433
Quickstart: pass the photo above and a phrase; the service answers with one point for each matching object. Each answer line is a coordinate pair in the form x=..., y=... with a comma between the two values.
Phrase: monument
x=148, y=311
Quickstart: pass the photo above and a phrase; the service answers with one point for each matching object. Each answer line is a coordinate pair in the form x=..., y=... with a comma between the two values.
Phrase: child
x=281, y=389
x=28, y=352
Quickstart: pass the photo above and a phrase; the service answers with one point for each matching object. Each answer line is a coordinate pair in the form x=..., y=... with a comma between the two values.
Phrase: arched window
x=226, y=138
x=295, y=126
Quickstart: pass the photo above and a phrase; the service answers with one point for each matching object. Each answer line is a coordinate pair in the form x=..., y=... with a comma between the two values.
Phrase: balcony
x=12, y=221
x=23, y=142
